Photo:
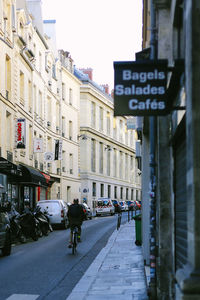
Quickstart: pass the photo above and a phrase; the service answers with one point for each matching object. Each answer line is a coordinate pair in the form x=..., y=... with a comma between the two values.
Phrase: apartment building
x=173, y=255
x=39, y=129
x=69, y=128
x=108, y=163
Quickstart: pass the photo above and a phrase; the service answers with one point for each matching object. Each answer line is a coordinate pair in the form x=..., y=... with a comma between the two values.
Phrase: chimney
x=89, y=72
x=112, y=93
x=106, y=88
x=50, y=30
x=35, y=8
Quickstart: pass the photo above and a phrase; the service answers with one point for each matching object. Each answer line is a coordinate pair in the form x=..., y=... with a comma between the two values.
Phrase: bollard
x=138, y=230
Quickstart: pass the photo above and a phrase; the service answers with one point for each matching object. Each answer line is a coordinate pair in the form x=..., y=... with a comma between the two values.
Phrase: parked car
x=138, y=204
x=87, y=211
x=5, y=232
x=104, y=206
x=124, y=205
x=57, y=211
x=131, y=205
x=134, y=205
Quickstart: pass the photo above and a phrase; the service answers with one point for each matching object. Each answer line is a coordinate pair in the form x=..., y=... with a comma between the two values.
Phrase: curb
x=81, y=288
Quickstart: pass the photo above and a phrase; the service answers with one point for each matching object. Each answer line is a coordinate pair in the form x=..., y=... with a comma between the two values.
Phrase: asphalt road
x=46, y=269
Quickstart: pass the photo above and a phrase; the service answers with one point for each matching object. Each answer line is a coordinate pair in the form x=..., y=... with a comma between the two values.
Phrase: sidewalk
x=117, y=272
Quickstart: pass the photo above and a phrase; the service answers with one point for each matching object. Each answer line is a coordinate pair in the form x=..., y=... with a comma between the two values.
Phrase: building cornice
x=71, y=74
x=107, y=139
x=41, y=37
x=5, y=42
x=7, y=102
x=90, y=89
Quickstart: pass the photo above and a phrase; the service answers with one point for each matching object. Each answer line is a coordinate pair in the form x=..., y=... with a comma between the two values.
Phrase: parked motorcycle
x=45, y=212
x=42, y=219
x=16, y=229
x=30, y=225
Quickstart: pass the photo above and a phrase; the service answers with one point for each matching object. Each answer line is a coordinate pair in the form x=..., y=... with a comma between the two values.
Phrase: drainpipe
x=152, y=164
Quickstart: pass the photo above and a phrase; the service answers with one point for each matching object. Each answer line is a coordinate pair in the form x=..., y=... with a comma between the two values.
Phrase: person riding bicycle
x=118, y=208
x=76, y=216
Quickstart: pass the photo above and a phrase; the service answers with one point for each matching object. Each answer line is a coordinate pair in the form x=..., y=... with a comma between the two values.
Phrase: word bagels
x=146, y=87
x=143, y=76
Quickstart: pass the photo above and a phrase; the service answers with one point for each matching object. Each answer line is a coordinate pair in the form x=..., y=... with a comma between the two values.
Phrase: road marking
x=22, y=297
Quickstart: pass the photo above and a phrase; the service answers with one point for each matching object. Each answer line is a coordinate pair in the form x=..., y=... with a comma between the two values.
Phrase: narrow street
x=46, y=268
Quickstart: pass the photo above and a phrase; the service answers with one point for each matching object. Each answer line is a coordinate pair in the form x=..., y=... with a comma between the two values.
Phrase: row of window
x=119, y=159
x=39, y=159
x=118, y=130
x=122, y=193
x=38, y=102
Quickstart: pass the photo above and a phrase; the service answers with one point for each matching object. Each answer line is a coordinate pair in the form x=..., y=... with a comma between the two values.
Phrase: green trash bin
x=138, y=230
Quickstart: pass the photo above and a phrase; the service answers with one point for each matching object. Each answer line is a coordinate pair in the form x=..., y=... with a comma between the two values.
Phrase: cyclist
x=76, y=216
x=118, y=208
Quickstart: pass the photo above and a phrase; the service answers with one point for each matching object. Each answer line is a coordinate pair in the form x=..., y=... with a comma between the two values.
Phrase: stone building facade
x=177, y=148
x=108, y=163
x=45, y=109
x=39, y=97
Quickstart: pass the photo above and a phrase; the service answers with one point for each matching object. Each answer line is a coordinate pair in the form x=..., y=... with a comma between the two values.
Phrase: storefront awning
x=31, y=176
x=8, y=168
x=54, y=179
x=46, y=176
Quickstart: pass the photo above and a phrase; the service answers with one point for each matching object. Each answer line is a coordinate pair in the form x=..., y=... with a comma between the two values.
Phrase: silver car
x=57, y=211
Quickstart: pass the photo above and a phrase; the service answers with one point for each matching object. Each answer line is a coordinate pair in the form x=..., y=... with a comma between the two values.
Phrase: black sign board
x=140, y=88
x=56, y=149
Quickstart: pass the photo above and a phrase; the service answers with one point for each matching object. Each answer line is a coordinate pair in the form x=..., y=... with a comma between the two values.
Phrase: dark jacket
x=75, y=214
x=118, y=208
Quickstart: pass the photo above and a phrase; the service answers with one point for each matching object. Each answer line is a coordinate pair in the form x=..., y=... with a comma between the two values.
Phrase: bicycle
x=119, y=220
x=74, y=239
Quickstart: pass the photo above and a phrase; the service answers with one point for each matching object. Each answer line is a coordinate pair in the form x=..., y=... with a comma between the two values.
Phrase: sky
x=97, y=32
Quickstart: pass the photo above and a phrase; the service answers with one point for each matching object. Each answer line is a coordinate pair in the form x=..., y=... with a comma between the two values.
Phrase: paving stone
x=117, y=272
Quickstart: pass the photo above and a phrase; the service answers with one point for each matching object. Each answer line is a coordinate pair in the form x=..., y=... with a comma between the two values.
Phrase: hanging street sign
x=21, y=134
x=48, y=156
x=38, y=145
x=58, y=150
x=140, y=88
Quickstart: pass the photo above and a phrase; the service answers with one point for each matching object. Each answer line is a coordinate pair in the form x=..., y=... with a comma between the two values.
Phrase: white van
x=57, y=210
x=104, y=206
x=124, y=205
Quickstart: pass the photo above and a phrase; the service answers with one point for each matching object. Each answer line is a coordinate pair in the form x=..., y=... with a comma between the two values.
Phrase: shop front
x=10, y=176
x=31, y=185
x=43, y=192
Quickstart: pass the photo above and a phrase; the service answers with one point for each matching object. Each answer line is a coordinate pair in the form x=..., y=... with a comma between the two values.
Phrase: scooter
x=42, y=219
x=30, y=225
x=45, y=212
x=16, y=229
